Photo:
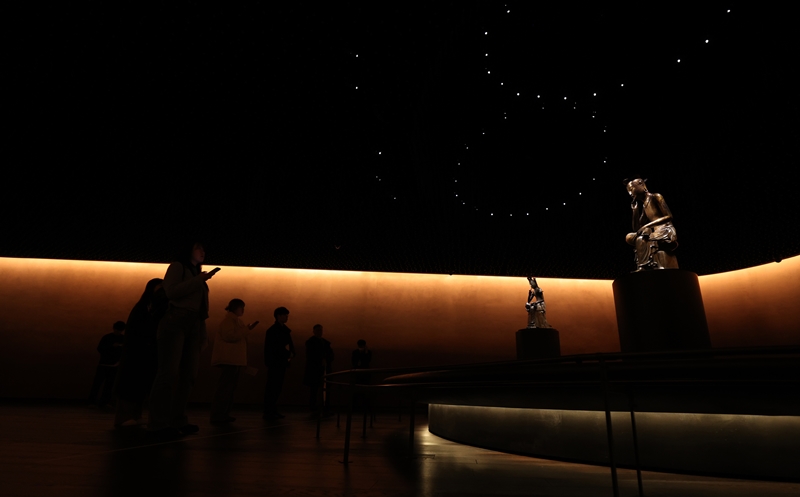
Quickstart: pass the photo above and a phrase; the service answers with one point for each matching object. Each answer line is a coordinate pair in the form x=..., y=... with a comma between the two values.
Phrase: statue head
x=537, y=291
x=636, y=186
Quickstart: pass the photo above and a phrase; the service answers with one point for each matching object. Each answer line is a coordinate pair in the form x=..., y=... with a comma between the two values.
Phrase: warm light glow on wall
x=756, y=306
x=53, y=312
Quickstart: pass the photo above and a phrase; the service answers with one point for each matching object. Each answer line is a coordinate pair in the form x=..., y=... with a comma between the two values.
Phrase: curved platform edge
x=727, y=445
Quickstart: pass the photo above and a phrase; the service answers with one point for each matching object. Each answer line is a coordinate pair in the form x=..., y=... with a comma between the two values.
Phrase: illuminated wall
x=53, y=313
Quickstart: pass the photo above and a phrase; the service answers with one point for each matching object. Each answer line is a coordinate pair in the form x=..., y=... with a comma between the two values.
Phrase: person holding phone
x=181, y=337
x=230, y=356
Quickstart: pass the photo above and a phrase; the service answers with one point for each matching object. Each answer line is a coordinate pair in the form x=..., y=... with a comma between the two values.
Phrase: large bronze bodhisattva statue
x=654, y=238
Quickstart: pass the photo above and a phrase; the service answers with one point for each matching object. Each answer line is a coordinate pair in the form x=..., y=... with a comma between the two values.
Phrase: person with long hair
x=181, y=337
x=139, y=354
x=230, y=356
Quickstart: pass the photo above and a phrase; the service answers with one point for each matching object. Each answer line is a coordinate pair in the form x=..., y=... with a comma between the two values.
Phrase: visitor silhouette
x=319, y=357
x=278, y=354
x=230, y=356
x=110, y=348
x=139, y=364
x=181, y=337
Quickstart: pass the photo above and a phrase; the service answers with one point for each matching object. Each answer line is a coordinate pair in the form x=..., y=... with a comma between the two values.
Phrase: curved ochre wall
x=53, y=313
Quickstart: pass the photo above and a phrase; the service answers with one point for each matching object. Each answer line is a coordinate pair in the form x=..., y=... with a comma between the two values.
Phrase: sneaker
x=170, y=433
x=221, y=421
x=189, y=429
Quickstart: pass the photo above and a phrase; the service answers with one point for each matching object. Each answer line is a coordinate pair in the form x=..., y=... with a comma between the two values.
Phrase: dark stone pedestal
x=660, y=310
x=538, y=343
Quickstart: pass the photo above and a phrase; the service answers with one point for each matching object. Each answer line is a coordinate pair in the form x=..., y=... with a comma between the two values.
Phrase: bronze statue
x=536, y=307
x=654, y=238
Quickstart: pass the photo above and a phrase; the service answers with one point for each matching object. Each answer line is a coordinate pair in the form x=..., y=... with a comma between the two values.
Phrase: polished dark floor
x=62, y=450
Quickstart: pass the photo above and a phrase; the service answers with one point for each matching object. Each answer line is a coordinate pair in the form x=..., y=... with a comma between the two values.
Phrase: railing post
x=609, y=430
x=636, y=447
x=364, y=428
x=349, y=423
x=412, y=416
x=319, y=414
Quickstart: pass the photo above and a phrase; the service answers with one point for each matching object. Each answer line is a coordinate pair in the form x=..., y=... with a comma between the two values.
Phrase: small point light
x=679, y=60
x=706, y=41
x=517, y=94
x=594, y=94
x=622, y=84
x=565, y=98
x=538, y=96
x=486, y=33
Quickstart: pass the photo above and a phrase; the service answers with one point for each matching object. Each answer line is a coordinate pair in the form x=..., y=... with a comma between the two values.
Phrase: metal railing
x=601, y=382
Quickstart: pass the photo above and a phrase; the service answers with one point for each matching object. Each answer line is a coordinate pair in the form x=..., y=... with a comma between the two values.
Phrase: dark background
x=337, y=136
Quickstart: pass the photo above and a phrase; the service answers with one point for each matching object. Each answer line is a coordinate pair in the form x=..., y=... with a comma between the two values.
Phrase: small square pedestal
x=538, y=343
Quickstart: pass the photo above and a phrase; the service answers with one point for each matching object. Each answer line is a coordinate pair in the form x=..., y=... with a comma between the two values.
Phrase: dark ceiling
x=380, y=136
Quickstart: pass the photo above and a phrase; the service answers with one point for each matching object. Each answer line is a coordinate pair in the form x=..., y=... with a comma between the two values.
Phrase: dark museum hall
x=346, y=218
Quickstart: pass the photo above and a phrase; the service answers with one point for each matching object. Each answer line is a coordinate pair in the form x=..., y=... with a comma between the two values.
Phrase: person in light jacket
x=181, y=337
x=230, y=355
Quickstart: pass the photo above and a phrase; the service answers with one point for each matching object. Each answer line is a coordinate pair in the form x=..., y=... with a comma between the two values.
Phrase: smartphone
x=214, y=271
x=254, y=324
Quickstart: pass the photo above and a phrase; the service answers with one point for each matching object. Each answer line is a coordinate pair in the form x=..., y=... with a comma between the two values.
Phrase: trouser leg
x=223, y=398
x=313, y=393
x=275, y=376
x=171, y=332
x=109, y=380
x=189, y=365
x=96, y=384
